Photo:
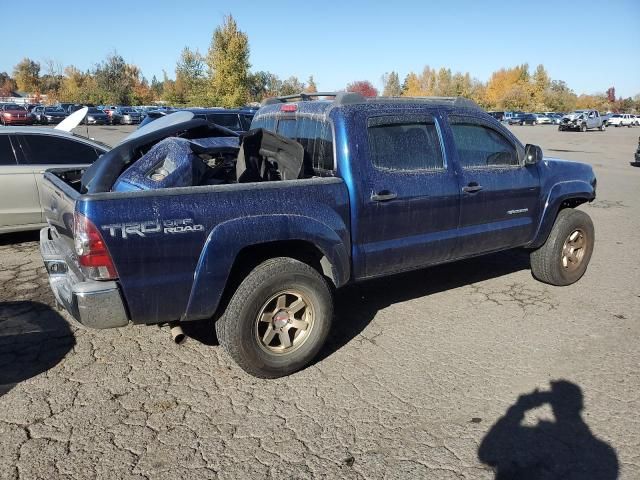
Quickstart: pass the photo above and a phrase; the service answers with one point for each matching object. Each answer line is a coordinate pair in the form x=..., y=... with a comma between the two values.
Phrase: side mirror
x=532, y=154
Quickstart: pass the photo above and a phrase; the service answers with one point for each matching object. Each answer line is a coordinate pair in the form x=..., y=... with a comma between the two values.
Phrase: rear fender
x=227, y=239
x=571, y=193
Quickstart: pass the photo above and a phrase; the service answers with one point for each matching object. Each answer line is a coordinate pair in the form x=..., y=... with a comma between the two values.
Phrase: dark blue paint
x=166, y=277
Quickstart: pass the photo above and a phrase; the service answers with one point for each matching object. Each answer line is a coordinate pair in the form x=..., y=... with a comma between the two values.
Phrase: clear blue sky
x=590, y=44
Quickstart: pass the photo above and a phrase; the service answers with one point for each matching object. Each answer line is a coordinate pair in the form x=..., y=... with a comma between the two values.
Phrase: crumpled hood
x=574, y=116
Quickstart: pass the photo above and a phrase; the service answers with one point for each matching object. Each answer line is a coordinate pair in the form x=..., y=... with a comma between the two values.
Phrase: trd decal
x=143, y=229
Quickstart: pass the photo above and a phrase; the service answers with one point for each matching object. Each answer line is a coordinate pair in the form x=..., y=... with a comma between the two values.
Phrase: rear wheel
x=564, y=257
x=278, y=318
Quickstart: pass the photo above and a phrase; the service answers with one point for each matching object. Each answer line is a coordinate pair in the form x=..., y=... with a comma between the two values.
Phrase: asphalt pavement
x=438, y=373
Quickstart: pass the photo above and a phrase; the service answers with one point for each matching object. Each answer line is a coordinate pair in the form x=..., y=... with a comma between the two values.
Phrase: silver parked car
x=25, y=153
x=125, y=116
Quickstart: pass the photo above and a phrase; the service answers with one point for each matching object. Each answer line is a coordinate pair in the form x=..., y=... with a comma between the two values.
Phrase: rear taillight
x=93, y=255
x=289, y=107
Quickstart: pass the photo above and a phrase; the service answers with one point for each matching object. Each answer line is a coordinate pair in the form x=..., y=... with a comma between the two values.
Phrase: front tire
x=603, y=127
x=583, y=128
x=278, y=318
x=564, y=257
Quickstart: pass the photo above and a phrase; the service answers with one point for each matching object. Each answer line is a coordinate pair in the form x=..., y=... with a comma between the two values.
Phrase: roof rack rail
x=340, y=98
x=452, y=101
x=348, y=98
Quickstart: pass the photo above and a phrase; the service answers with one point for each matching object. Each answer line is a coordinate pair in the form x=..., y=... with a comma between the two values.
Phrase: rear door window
x=51, y=150
x=7, y=157
x=405, y=143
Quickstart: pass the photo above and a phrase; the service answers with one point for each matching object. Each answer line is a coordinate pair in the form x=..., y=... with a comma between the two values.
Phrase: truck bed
x=173, y=248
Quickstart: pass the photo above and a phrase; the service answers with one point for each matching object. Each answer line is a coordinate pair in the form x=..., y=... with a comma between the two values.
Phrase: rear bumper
x=94, y=304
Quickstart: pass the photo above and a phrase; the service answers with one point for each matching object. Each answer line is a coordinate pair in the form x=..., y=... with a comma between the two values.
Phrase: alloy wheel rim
x=573, y=250
x=284, y=322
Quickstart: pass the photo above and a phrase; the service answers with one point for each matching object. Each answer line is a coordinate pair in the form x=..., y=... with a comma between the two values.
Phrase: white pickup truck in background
x=622, y=120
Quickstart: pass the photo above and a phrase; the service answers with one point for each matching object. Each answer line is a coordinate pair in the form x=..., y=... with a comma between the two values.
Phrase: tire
x=242, y=329
x=551, y=263
x=583, y=128
x=603, y=127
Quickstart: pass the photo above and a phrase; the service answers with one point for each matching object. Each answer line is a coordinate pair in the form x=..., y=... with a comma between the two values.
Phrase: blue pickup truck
x=186, y=220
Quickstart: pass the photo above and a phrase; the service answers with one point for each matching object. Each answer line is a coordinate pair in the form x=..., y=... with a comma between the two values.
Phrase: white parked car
x=622, y=120
x=543, y=119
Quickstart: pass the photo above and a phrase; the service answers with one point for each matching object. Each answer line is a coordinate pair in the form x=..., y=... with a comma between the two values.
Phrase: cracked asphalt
x=431, y=374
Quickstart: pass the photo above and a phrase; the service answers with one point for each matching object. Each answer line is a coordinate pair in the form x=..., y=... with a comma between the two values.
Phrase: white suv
x=622, y=120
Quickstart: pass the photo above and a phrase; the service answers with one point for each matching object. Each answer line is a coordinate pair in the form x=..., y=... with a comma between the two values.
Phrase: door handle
x=383, y=196
x=473, y=187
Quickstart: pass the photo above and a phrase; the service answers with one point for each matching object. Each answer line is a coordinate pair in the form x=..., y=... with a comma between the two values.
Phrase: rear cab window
x=481, y=145
x=313, y=133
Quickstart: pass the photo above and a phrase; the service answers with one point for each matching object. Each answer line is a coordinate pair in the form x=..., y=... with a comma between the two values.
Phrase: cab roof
x=321, y=102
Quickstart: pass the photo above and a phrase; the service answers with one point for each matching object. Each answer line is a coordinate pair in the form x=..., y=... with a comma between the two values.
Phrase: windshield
x=93, y=110
x=617, y=116
x=13, y=107
x=53, y=109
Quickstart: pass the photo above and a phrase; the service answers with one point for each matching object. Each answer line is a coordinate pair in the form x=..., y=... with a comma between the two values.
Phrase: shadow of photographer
x=564, y=449
x=33, y=339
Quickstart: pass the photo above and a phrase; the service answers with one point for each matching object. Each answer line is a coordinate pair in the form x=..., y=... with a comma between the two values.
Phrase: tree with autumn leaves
x=222, y=77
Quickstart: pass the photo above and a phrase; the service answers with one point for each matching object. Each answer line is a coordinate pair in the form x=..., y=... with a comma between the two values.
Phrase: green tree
x=191, y=78
x=560, y=98
x=540, y=87
x=258, y=85
x=391, y=84
x=27, y=75
x=291, y=86
x=444, y=86
x=311, y=85
x=228, y=60
x=114, y=80
x=156, y=88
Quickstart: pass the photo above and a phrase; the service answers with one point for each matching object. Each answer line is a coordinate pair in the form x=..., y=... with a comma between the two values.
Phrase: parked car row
x=581, y=120
x=237, y=120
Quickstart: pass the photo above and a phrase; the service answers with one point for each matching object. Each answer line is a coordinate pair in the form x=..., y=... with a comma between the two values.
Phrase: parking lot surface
x=421, y=378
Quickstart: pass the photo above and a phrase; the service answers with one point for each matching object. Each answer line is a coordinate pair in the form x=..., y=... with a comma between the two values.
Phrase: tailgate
x=60, y=191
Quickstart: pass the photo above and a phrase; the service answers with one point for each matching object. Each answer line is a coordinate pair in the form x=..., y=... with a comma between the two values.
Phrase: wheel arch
x=562, y=195
x=236, y=247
